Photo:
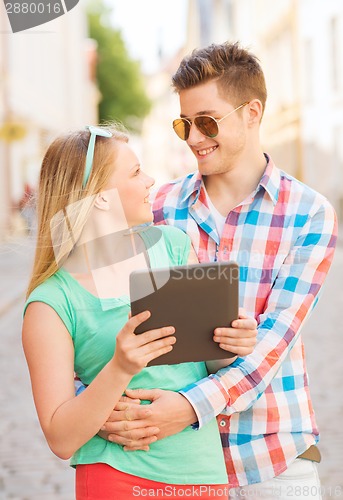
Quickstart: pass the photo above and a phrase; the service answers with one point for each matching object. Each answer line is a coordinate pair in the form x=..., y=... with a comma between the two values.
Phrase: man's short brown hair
x=237, y=72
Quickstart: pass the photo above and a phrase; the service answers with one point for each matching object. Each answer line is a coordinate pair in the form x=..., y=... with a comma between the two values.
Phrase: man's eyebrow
x=199, y=113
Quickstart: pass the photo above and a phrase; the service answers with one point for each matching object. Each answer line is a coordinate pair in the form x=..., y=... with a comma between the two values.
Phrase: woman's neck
x=103, y=266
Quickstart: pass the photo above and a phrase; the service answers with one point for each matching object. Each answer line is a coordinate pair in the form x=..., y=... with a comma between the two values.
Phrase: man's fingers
x=239, y=351
x=124, y=425
x=126, y=399
x=146, y=394
x=130, y=443
x=246, y=323
x=242, y=313
x=135, y=448
x=242, y=351
x=247, y=330
x=134, y=412
x=134, y=438
x=237, y=342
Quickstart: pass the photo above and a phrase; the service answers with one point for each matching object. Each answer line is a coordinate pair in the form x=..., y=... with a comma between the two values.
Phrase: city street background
x=29, y=470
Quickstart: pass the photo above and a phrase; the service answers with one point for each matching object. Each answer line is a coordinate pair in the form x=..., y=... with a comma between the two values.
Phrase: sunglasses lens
x=181, y=128
x=207, y=125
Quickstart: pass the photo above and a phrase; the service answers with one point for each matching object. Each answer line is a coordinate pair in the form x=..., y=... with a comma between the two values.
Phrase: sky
x=147, y=25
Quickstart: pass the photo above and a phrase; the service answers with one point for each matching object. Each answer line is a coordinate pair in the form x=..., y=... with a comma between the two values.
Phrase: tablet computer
x=194, y=299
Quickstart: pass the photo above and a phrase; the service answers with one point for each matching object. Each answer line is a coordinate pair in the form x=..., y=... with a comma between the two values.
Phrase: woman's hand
x=133, y=352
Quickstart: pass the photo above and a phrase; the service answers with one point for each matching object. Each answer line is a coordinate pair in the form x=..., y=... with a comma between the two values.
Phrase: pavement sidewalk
x=16, y=258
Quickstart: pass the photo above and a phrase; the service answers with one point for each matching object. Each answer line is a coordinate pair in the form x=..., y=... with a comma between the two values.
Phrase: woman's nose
x=150, y=181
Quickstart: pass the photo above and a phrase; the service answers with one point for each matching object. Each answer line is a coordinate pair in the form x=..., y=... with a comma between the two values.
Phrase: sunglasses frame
x=94, y=131
x=190, y=122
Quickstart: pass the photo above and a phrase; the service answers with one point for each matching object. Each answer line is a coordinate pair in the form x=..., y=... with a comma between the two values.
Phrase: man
x=239, y=206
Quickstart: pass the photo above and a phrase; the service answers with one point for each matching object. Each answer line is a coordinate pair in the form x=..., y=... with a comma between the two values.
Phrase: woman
x=93, y=202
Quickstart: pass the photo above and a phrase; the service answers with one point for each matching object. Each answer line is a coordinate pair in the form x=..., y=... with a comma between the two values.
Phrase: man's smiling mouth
x=204, y=152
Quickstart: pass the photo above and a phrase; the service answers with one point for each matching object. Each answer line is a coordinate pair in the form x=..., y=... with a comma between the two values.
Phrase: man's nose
x=195, y=136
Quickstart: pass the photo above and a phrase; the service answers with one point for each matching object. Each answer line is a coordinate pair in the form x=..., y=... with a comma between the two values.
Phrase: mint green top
x=189, y=457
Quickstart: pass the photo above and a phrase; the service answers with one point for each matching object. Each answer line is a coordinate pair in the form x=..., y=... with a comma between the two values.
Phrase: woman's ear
x=101, y=202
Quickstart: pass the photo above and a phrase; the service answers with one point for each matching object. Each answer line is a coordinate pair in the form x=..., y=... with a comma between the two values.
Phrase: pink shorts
x=102, y=482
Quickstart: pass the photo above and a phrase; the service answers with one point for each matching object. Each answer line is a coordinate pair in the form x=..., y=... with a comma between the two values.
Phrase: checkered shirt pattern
x=283, y=237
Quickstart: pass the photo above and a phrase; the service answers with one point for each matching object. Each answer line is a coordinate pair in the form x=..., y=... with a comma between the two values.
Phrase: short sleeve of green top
x=189, y=457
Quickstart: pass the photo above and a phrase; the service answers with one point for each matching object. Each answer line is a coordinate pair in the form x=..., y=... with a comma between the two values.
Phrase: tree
x=119, y=77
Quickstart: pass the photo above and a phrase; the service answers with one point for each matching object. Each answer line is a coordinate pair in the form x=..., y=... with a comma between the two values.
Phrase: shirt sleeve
x=291, y=299
x=57, y=300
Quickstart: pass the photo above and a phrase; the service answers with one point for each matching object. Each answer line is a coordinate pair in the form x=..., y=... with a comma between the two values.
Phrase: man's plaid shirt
x=283, y=237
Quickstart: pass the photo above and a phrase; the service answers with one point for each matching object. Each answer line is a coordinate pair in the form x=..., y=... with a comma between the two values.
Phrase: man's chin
x=206, y=170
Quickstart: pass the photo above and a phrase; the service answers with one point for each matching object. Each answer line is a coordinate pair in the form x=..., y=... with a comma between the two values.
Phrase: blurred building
x=47, y=86
x=164, y=155
x=320, y=48
x=299, y=43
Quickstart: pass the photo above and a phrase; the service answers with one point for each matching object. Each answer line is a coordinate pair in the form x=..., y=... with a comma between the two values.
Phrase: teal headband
x=94, y=131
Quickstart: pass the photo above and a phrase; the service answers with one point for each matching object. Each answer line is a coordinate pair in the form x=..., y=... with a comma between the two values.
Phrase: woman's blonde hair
x=64, y=205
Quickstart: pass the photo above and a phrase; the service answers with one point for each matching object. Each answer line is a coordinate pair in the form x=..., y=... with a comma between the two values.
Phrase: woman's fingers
x=134, y=321
x=134, y=351
x=154, y=335
x=158, y=352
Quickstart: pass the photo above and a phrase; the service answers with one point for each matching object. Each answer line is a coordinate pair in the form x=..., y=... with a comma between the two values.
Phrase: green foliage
x=119, y=78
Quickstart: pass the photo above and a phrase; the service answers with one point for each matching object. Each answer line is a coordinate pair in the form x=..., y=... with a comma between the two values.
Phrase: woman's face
x=133, y=186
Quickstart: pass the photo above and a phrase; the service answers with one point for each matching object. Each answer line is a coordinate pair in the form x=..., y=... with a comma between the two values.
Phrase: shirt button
x=222, y=423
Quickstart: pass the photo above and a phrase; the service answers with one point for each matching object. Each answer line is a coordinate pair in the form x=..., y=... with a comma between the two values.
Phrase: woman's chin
x=143, y=220
x=149, y=217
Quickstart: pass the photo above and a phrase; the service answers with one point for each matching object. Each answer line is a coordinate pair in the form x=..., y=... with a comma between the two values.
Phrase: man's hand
x=136, y=426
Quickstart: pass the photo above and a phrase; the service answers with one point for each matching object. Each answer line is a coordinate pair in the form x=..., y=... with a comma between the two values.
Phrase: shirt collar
x=193, y=186
x=270, y=182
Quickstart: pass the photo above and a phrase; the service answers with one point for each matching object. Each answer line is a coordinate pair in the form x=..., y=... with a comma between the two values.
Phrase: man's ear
x=255, y=111
x=101, y=202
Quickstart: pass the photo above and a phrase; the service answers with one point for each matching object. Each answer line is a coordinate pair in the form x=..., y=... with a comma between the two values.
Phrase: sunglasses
x=207, y=125
x=94, y=131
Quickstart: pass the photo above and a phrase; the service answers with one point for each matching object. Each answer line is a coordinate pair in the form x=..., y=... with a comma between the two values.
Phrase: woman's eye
x=137, y=171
